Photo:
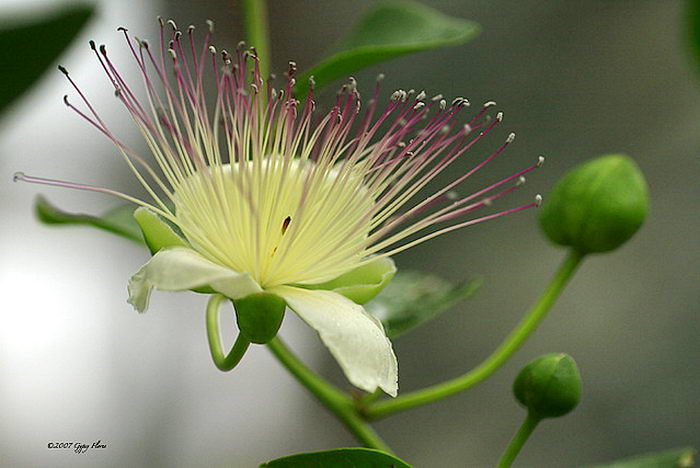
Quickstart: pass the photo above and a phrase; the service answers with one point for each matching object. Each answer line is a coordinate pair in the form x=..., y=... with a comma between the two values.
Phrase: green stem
x=518, y=441
x=223, y=362
x=367, y=399
x=340, y=404
x=255, y=23
x=509, y=346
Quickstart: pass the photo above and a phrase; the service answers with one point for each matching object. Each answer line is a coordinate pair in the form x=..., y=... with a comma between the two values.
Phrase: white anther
x=380, y=77
x=172, y=53
x=521, y=180
x=489, y=104
x=510, y=138
x=420, y=96
x=212, y=50
x=538, y=200
x=467, y=128
x=443, y=104
x=499, y=116
x=172, y=24
x=452, y=195
x=210, y=24
x=487, y=202
x=437, y=97
x=540, y=161
x=418, y=106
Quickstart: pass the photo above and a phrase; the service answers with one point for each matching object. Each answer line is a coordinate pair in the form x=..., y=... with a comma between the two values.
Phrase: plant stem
x=509, y=346
x=518, y=441
x=257, y=34
x=223, y=362
x=340, y=404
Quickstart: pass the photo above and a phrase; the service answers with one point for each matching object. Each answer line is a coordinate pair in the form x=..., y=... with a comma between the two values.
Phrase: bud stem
x=223, y=362
x=255, y=22
x=518, y=441
x=484, y=370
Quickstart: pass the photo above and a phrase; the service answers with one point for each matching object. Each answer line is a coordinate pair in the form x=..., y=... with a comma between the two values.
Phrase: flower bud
x=597, y=206
x=259, y=316
x=549, y=386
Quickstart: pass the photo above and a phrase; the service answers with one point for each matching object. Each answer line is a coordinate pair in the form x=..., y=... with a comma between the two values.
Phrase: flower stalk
x=335, y=400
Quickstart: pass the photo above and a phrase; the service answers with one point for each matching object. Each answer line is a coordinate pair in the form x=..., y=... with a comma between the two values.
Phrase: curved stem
x=223, y=362
x=518, y=441
x=339, y=403
x=509, y=346
x=255, y=23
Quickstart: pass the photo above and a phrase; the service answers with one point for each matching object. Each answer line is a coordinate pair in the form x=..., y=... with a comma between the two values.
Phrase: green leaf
x=119, y=220
x=675, y=458
x=413, y=298
x=29, y=47
x=390, y=29
x=339, y=458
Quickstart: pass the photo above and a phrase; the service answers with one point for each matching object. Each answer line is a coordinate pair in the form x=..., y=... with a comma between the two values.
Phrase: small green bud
x=549, y=386
x=597, y=206
x=259, y=316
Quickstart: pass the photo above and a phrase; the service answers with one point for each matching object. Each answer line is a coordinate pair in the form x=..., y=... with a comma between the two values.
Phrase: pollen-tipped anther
x=510, y=138
x=499, y=116
x=538, y=200
x=210, y=25
x=540, y=161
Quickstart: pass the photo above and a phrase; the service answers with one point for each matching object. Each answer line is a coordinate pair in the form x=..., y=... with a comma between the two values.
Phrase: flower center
x=282, y=220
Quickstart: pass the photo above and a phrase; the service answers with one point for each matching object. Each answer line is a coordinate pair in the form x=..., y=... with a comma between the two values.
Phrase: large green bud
x=597, y=206
x=259, y=316
x=549, y=386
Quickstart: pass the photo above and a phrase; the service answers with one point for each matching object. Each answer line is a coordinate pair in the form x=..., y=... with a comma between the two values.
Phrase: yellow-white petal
x=181, y=269
x=354, y=337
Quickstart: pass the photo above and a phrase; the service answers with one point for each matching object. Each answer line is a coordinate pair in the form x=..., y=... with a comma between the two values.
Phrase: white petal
x=355, y=338
x=180, y=269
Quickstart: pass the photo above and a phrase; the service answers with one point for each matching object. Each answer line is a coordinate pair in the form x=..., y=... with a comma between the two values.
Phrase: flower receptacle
x=259, y=316
x=597, y=206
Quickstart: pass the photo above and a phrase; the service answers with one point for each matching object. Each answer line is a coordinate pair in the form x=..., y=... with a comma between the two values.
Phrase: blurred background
x=576, y=79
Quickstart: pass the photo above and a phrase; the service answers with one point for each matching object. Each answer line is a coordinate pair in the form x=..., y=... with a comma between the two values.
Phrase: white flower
x=251, y=192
